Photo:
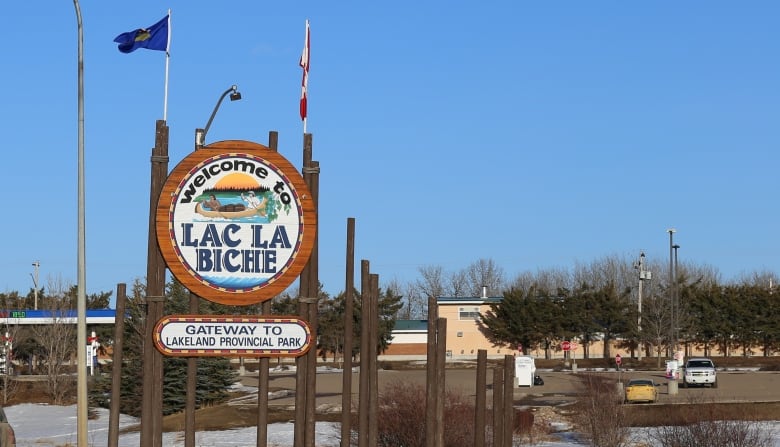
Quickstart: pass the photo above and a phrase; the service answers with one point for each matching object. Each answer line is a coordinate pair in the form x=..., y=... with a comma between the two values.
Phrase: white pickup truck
x=700, y=371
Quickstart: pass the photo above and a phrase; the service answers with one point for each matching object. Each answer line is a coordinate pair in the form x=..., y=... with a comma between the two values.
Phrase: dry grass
x=674, y=414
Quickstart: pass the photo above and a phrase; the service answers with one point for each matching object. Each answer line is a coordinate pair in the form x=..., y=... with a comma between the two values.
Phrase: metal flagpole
x=167, y=61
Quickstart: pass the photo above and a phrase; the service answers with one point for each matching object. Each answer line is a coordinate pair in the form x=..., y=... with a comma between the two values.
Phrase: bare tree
x=485, y=273
x=431, y=283
x=549, y=279
x=414, y=304
x=613, y=269
x=763, y=278
x=415, y=307
x=655, y=322
x=57, y=341
x=10, y=387
x=459, y=284
x=523, y=281
x=702, y=273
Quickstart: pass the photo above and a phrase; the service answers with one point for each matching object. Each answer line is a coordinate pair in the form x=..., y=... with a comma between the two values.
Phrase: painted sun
x=236, y=181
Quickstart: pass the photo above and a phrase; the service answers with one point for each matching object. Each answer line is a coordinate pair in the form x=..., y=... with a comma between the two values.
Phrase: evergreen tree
x=585, y=324
x=612, y=314
x=330, y=334
x=389, y=304
x=517, y=320
x=215, y=374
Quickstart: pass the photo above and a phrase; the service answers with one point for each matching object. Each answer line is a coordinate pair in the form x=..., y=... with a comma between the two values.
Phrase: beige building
x=464, y=337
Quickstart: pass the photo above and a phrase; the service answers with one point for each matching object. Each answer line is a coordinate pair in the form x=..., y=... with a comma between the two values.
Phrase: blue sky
x=538, y=135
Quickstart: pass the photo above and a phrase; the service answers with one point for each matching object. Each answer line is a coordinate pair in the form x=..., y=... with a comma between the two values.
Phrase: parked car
x=641, y=390
x=7, y=435
x=699, y=371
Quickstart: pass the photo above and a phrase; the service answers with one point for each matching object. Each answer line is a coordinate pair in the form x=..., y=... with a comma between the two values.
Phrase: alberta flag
x=153, y=38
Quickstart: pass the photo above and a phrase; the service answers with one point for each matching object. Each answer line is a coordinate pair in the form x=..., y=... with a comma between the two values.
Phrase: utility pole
x=644, y=275
x=37, y=265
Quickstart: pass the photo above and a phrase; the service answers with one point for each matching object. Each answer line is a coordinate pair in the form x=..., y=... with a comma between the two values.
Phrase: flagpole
x=167, y=62
x=304, y=63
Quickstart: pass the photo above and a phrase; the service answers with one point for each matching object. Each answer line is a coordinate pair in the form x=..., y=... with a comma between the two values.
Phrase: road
x=733, y=386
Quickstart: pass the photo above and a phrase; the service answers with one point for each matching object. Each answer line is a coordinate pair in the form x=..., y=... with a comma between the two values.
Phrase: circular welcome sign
x=235, y=222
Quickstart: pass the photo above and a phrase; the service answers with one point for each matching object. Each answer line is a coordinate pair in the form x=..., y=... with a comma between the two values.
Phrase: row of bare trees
x=710, y=312
x=618, y=270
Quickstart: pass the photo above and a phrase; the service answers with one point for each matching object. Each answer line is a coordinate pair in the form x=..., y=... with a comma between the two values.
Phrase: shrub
x=401, y=417
x=600, y=414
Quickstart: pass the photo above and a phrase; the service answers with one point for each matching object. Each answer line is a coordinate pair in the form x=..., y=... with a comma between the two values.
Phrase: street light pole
x=676, y=303
x=672, y=340
x=200, y=134
x=37, y=265
x=81, y=294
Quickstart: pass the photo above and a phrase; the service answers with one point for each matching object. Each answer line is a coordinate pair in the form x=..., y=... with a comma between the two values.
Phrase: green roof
x=458, y=299
x=411, y=325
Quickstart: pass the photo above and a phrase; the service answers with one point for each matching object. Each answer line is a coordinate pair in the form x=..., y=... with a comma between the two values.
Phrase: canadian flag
x=304, y=63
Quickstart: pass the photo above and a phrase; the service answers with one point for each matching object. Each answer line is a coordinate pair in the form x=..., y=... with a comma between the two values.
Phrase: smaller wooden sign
x=232, y=336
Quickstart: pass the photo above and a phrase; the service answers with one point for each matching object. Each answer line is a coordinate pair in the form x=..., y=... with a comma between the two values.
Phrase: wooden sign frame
x=245, y=251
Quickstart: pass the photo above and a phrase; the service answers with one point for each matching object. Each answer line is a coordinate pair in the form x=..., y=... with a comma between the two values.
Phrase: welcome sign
x=235, y=222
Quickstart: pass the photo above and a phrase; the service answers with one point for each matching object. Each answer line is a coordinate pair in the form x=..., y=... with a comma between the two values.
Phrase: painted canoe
x=247, y=212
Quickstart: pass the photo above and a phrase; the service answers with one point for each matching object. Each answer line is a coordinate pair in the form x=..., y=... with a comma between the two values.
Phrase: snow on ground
x=38, y=425
x=48, y=425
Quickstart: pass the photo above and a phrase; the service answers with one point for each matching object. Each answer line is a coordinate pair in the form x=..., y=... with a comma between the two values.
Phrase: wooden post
x=480, y=399
x=363, y=391
x=116, y=365
x=509, y=393
x=349, y=296
x=262, y=391
x=302, y=363
x=441, y=365
x=373, y=388
x=151, y=413
x=262, y=371
x=498, y=407
x=431, y=390
x=192, y=385
x=299, y=429
x=312, y=176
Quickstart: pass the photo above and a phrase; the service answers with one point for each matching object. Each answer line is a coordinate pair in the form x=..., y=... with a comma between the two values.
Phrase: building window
x=460, y=334
x=468, y=313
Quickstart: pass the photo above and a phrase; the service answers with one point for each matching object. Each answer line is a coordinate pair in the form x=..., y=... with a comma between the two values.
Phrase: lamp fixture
x=200, y=134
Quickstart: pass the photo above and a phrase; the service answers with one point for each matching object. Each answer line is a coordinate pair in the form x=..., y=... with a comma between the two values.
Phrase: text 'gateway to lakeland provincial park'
x=175, y=334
